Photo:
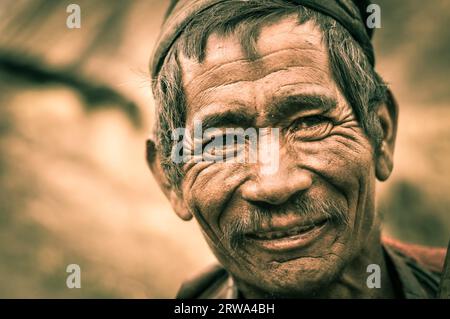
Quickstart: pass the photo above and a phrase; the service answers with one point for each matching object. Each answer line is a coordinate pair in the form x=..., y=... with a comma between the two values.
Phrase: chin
x=297, y=266
x=303, y=277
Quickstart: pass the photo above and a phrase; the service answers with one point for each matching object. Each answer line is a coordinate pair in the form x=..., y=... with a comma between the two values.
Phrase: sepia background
x=76, y=108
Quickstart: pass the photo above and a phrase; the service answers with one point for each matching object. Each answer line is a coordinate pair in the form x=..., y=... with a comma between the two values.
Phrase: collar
x=410, y=285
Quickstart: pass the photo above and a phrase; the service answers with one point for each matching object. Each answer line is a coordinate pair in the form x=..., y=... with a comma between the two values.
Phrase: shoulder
x=430, y=258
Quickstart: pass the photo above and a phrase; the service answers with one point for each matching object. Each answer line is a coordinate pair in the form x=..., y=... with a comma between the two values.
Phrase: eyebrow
x=228, y=118
x=286, y=106
x=279, y=109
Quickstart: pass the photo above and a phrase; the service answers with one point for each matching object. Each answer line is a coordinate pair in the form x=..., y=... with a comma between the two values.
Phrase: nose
x=278, y=188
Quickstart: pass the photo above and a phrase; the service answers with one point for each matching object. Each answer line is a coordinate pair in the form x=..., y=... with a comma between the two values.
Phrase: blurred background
x=76, y=108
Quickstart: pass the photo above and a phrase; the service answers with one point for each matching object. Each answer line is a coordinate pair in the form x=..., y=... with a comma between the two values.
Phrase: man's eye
x=311, y=127
x=222, y=145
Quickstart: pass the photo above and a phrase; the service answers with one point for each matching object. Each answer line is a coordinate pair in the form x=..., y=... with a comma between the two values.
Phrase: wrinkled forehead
x=222, y=50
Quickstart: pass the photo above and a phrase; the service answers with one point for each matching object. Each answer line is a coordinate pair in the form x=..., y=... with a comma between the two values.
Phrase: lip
x=289, y=238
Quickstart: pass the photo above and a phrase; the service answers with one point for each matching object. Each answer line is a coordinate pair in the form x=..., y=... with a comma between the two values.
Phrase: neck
x=352, y=283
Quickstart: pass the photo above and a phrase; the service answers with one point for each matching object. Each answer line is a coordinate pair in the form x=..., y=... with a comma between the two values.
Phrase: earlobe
x=176, y=200
x=384, y=163
x=387, y=115
x=179, y=207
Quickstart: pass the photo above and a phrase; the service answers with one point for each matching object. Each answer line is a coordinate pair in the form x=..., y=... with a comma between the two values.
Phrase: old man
x=309, y=228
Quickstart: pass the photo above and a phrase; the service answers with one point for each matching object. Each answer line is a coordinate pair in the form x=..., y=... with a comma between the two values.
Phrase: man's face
x=295, y=229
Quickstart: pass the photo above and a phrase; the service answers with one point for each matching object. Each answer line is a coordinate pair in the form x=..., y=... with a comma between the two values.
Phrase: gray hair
x=356, y=78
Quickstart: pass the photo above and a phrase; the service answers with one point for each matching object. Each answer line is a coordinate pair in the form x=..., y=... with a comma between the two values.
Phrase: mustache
x=303, y=205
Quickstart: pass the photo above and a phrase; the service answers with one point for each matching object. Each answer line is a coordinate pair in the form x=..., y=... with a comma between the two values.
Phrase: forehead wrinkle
x=308, y=63
x=297, y=89
x=311, y=77
x=227, y=97
x=245, y=62
x=283, y=33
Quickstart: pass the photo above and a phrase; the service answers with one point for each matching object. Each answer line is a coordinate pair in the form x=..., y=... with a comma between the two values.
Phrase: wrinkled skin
x=324, y=155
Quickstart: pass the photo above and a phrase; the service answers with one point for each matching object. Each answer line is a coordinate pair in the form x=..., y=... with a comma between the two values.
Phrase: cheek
x=343, y=162
x=207, y=190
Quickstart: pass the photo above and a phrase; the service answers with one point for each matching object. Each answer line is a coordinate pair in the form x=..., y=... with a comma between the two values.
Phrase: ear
x=154, y=163
x=388, y=115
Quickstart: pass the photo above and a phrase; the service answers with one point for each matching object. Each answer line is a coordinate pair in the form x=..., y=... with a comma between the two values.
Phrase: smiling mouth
x=288, y=238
